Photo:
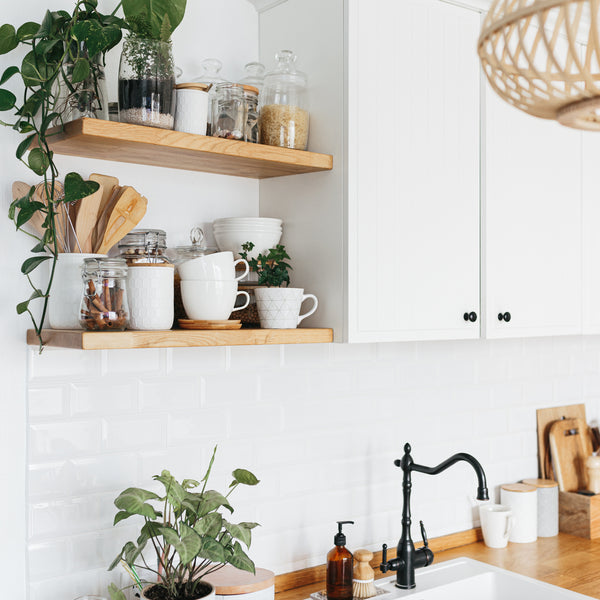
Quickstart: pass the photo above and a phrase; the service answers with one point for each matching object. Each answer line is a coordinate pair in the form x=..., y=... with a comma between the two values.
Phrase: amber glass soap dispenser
x=339, y=567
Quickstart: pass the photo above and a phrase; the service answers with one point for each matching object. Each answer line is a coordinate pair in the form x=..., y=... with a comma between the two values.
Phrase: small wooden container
x=579, y=515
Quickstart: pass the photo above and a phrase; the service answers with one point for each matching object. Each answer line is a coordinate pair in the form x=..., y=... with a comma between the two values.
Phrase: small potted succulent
x=186, y=530
x=278, y=307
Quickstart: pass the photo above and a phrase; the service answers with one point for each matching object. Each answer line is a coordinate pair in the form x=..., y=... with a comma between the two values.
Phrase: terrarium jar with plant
x=186, y=532
x=147, y=71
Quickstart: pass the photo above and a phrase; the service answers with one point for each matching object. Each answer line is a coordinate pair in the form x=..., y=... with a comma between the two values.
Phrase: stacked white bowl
x=232, y=232
x=209, y=286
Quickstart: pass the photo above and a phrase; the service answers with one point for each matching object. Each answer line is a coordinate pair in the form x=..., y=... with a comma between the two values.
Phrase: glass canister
x=284, y=116
x=254, y=75
x=251, y=99
x=144, y=246
x=147, y=83
x=229, y=117
x=104, y=303
x=210, y=73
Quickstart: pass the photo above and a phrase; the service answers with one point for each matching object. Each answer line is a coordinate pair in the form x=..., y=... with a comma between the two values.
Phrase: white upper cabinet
x=413, y=170
x=532, y=224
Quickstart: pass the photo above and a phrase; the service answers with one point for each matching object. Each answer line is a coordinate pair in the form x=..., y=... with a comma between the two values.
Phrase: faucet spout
x=407, y=557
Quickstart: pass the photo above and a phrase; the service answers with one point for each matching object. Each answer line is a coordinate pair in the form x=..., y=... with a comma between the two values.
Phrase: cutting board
x=545, y=418
x=570, y=445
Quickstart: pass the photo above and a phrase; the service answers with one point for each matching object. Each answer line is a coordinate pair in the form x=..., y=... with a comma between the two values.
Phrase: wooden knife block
x=579, y=515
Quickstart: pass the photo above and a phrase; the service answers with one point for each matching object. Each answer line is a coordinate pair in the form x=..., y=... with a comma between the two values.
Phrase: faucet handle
x=424, y=535
x=384, y=564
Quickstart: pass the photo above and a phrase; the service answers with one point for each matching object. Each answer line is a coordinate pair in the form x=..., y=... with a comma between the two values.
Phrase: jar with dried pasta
x=284, y=116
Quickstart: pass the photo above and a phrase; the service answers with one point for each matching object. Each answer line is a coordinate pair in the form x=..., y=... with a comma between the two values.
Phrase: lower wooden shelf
x=176, y=338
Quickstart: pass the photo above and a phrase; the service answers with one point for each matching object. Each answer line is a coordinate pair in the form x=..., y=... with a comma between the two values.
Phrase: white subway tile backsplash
x=59, y=363
x=319, y=425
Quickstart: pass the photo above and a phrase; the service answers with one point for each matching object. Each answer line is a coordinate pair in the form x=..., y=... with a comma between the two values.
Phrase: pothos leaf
x=38, y=161
x=23, y=306
x=7, y=100
x=8, y=39
x=81, y=70
x=24, y=145
x=27, y=30
x=76, y=188
x=8, y=73
x=32, y=263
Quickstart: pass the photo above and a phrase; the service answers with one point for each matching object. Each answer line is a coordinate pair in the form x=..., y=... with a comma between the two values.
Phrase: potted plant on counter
x=188, y=534
x=278, y=307
x=62, y=50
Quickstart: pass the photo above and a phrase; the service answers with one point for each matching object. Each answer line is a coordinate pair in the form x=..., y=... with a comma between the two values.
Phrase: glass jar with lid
x=210, y=72
x=251, y=99
x=284, y=116
x=229, y=117
x=104, y=303
x=144, y=246
x=254, y=75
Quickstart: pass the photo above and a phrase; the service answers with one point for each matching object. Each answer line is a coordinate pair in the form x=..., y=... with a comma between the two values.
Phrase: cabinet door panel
x=532, y=216
x=413, y=170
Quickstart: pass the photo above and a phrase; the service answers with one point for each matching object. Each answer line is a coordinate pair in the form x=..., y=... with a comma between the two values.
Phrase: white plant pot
x=279, y=308
x=67, y=290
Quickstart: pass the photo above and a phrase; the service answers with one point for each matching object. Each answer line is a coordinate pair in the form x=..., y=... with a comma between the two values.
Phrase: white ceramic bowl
x=249, y=221
x=233, y=240
x=210, y=300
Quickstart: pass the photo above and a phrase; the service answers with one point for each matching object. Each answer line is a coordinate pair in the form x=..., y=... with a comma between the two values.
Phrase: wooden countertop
x=565, y=560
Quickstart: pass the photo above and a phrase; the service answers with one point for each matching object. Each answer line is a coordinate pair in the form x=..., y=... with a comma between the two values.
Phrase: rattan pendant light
x=543, y=56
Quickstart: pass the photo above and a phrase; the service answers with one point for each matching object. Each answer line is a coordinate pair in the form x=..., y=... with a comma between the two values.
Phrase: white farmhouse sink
x=467, y=579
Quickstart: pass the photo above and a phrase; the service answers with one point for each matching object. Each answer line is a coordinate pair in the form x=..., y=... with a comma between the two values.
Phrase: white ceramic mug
x=219, y=266
x=279, y=308
x=150, y=294
x=210, y=300
x=496, y=523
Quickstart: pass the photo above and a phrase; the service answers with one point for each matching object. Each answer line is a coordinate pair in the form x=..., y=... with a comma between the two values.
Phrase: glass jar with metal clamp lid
x=144, y=246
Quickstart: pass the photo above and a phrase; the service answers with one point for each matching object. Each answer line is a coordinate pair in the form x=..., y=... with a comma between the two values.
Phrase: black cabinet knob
x=472, y=316
x=504, y=317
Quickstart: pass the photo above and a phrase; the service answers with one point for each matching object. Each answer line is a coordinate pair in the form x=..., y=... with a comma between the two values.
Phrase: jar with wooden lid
x=547, y=510
x=192, y=107
x=284, y=116
x=104, y=304
x=522, y=499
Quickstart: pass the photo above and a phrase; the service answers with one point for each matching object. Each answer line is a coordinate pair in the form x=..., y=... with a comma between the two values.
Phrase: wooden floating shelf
x=108, y=140
x=177, y=338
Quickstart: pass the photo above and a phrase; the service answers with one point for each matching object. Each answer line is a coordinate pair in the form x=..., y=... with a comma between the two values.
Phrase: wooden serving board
x=230, y=581
x=545, y=418
x=570, y=445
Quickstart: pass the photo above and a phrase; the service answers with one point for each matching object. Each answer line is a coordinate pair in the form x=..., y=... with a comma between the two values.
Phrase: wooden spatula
x=87, y=216
x=108, y=183
x=570, y=445
x=128, y=211
x=36, y=223
x=103, y=216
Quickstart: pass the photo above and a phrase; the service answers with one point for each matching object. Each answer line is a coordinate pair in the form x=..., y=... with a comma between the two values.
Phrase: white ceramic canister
x=233, y=584
x=547, y=499
x=192, y=108
x=150, y=291
x=65, y=295
x=522, y=499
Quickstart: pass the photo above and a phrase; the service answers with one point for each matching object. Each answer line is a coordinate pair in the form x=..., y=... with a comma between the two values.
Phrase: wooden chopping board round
x=230, y=581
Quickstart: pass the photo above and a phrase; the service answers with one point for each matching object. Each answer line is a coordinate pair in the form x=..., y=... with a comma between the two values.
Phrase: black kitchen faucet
x=407, y=558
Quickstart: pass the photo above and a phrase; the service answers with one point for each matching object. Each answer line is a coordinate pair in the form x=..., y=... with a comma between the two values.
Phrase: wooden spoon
x=108, y=183
x=87, y=216
x=129, y=210
x=103, y=216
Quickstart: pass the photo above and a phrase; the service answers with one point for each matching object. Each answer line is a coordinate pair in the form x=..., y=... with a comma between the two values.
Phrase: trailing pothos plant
x=187, y=532
x=60, y=39
x=271, y=266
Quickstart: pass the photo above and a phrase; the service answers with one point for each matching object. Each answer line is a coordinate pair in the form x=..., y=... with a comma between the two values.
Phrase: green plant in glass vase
x=190, y=536
x=60, y=39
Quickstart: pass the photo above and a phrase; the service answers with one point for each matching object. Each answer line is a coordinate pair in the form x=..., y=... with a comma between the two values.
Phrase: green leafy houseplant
x=60, y=39
x=271, y=267
x=190, y=536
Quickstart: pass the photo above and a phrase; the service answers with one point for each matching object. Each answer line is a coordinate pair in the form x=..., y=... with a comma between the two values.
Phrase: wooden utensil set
x=93, y=224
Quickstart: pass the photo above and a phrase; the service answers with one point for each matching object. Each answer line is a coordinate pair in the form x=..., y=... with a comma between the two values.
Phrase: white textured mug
x=496, y=523
x=210, y=300
x=279, y=308
x=219, y=266
x=150, y=292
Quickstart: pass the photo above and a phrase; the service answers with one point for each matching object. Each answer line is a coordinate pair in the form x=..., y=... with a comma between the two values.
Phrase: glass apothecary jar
x=210, y=73
x=254, y=75
x=104, y=300
x=284, y=117
x=146, y=246
x=251, y=99
x=147, y=83
x=229, y=117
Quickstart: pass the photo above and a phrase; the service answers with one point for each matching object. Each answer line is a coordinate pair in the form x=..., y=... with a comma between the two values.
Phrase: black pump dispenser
x=339, y=538
x=339, y=567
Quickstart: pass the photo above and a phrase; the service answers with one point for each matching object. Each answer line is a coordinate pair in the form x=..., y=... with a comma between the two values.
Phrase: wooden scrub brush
x=363, y=582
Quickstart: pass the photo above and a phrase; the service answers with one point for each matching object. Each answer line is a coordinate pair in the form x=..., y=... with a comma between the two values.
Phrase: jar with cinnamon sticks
x=104, y=299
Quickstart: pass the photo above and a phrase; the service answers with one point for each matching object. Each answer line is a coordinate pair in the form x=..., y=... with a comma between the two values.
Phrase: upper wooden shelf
x=107, y=140
x=176, y=338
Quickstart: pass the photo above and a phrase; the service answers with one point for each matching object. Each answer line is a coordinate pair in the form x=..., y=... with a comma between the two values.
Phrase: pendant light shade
x=543, y=56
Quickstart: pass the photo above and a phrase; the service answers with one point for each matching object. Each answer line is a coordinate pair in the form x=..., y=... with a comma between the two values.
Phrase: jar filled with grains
x=284, y=117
